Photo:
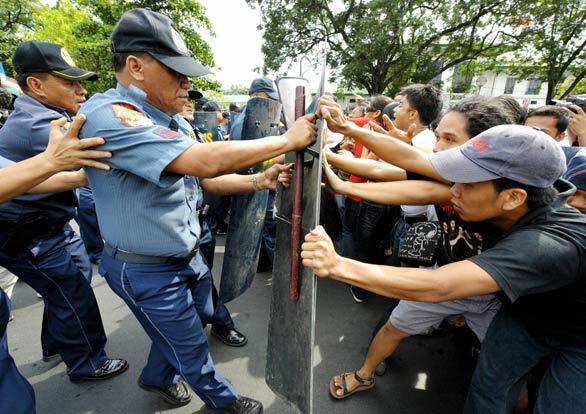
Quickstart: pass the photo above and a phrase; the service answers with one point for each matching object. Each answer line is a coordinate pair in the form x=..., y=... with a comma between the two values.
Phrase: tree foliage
x=383, y=44
x=552, y=44
x=15, y=21
x=379, y=44
x=84, y=28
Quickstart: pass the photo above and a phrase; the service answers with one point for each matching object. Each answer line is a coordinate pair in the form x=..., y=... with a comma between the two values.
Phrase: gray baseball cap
x=516, y=152
x=264, y=85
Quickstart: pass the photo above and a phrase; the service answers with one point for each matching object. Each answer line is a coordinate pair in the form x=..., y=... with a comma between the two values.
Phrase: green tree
x=15, y=21
x=552, y=44
x=84, y=28
x=236, y=90
x=384, y=44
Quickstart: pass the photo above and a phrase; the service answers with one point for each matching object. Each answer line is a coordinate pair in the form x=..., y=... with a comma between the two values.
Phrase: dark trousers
x=221, y=319
x=88, y=224
x=16, y=394
x=172, y=301
x=72, y=324
x=508, y=353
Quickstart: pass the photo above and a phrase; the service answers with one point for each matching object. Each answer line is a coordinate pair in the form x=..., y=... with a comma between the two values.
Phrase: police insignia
x=67, y=57
x=166, y=133
x=130, y=116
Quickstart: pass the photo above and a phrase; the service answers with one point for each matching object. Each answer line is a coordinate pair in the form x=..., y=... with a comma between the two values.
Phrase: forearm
x=219, y=158
x=400, y=192
x=394, y=151
x=394, y=282
x=63, y=181
x=370, y=169
x=18, y=178
x=231, y=184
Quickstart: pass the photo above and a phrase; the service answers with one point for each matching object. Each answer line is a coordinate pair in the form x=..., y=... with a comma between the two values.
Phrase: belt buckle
x=192, y=253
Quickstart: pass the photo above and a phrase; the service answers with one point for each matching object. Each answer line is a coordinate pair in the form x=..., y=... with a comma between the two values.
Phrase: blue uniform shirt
x=26, y=134
x=236, y=129
x=141, y=208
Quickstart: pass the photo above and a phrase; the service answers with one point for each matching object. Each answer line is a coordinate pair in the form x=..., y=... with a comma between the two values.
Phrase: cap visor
x=185, y=65
x=455, y=167
x=273, y=95
x=193, y=95
x=74, y=73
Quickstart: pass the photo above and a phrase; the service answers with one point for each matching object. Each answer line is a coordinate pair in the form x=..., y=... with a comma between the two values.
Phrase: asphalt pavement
x=428, y=374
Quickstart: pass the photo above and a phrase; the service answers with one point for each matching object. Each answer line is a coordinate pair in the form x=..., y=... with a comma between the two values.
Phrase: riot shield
x=207, y=125
x=247, y=211
x=289, y=370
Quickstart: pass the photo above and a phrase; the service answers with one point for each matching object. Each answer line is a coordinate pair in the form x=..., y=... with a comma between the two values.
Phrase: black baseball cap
x=34, y=57
x=211, y=106
x=142, y=30
x=194, y=95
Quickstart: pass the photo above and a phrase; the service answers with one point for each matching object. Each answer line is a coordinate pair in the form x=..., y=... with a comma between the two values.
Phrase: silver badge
x=179, y=42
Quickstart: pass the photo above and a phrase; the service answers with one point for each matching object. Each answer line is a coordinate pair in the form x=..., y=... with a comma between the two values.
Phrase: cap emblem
x=179, y=42
x=67, y=57
x=479, y=145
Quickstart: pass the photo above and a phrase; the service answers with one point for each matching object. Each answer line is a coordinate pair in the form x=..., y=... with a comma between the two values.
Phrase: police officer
x=37, y=243
x=223, y=326
x=62, y=153
x=147, y=204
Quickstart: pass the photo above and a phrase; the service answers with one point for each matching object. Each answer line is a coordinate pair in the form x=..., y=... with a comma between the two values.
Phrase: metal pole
x=297, y=214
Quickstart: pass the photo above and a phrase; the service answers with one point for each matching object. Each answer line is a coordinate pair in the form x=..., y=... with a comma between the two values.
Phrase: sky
x=237, y=45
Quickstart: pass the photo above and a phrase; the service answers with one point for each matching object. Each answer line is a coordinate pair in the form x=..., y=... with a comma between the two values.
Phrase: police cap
x=36, y=57
x=141, y=30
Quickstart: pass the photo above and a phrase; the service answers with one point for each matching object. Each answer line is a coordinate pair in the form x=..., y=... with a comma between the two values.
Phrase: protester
x=553, y=120
x=516, y=188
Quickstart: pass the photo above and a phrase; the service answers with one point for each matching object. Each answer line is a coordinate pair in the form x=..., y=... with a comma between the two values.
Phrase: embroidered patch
x=166, y=133
x=130, y=116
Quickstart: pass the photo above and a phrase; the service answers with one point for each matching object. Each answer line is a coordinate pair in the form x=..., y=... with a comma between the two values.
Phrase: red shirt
x=358, y=147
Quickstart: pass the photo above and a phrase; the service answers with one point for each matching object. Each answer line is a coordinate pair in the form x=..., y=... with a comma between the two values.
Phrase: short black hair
x=482, y=113
x=561, y=115
x=378, y=103
x=426, y=99
x=511, y=105
x=119, y=59
x=536, y=197
x=21, y=78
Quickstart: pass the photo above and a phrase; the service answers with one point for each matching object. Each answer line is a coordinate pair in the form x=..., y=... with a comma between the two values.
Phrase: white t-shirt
x=425, y=141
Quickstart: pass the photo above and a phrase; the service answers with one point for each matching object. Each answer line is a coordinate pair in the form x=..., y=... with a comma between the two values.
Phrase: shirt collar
x=133, y=94
x=25, y=100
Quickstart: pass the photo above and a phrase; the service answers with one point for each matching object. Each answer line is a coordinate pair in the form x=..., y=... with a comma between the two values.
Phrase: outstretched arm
x=409, y=192
x=363, y=167
x=453, y=281
x=389, y=149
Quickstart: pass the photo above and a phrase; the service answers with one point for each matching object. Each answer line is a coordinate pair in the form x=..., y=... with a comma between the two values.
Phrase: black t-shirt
x=540, y=265
x=460, y=239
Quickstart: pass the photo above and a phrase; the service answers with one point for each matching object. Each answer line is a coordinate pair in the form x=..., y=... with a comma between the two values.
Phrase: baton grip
x=297, y=214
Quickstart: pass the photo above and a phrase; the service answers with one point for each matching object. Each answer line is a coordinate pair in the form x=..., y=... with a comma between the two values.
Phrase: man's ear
x=135, y=67
x=513, y=198
x=36, y=86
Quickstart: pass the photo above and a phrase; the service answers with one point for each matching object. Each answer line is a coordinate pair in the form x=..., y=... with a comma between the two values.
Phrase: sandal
x=363, y=385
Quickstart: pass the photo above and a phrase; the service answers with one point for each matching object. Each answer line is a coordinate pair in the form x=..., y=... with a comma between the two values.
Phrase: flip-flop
x=363, y=385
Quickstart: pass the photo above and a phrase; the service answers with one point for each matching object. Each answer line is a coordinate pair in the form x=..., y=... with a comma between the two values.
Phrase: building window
x=533, y=87
x=510, y=85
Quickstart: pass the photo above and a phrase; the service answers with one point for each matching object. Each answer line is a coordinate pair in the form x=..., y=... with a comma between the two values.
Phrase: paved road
x=427, y=374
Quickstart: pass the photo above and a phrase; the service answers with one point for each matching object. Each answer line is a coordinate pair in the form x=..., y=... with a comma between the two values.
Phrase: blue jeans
x=509, y=352
x=16, y=394
x=172, y=302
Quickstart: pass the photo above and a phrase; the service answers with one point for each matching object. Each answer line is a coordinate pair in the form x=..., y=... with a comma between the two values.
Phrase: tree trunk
x=573, y=85
x=551, y=84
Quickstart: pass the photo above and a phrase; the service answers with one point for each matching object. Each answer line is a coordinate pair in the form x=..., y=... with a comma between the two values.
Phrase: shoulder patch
x=130, y=116
x=166, y=133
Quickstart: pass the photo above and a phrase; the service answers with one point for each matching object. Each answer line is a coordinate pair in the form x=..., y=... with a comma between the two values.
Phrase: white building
x=529, y=92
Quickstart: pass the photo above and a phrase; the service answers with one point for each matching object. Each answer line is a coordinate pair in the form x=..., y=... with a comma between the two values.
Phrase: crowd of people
x=471, y=213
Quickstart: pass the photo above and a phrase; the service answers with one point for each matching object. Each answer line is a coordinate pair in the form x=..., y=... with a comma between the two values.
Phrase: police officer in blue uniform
x=62, y=153
x=147, y=204
x=89, y=229
x=37, y=243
